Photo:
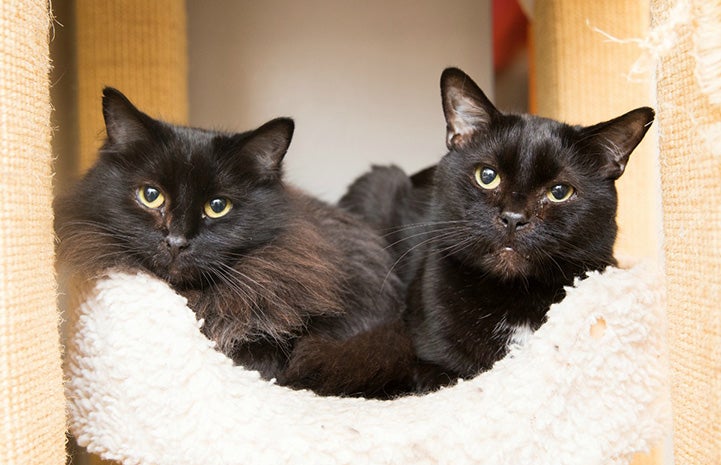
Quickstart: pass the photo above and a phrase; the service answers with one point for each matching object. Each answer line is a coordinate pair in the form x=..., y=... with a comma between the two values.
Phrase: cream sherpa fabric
x=145, y=387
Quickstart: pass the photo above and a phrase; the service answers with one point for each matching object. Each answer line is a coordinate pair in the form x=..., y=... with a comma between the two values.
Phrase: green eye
x=487, y=178
x=560, y=193
x=217, y=207
x=150, y=196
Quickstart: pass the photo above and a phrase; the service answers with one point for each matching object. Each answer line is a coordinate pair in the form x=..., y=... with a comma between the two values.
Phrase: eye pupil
x=150, y=197
x=218, y=205
x=488, y=175
x=559, y=191
x=151, y=194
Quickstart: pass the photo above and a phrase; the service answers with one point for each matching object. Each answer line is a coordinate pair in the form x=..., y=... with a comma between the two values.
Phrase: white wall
x=360, y=78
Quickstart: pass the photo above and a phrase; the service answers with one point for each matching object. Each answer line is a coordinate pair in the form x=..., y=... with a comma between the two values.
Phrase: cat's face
x=183, y=203
x=529, y=197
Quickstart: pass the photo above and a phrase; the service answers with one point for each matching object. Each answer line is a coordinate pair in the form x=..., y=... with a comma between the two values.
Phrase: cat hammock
x=146, y=387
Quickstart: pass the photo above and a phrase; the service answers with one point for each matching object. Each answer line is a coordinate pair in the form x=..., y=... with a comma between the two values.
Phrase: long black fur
x=287, y=285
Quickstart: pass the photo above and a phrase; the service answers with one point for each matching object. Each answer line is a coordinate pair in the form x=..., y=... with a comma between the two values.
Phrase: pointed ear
x=619, y=137
x=269, y=143
x=467, y=109
x=124, y=123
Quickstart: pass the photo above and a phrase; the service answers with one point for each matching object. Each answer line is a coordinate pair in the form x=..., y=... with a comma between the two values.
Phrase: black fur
x=278, y=277
x=479, y=262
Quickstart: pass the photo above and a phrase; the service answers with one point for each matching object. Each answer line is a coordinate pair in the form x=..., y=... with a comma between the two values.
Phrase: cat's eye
x=487, y=178
x=217, y=207
x=150, y=196
x=560, y=193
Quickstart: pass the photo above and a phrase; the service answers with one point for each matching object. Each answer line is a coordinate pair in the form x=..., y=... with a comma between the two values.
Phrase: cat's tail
x=376, y=196
x=389, y=200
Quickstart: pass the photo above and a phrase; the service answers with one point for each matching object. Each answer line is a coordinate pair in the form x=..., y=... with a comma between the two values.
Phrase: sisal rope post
x=32, y=405
x=583, y=76
x=137, y=46
x=689, y=80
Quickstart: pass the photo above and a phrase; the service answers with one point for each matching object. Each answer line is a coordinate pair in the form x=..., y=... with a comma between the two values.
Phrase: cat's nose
x=513, y=220
x=176, y=242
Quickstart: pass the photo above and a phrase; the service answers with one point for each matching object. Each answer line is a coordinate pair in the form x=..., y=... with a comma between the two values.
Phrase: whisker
x=392, y=267
x=413, y=236
x=404, y=227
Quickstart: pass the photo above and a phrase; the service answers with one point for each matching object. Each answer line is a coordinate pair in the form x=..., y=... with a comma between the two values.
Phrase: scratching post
x=32, y=410
x=689, y=100
x=583, y=76
x=138, y=46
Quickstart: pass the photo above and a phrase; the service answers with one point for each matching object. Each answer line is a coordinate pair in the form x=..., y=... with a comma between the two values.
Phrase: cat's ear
x=619, y=137
x=124, y=123
x=467, y=109
x=269, y=143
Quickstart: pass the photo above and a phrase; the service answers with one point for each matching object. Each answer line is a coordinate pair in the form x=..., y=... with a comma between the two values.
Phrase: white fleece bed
x=144, y=386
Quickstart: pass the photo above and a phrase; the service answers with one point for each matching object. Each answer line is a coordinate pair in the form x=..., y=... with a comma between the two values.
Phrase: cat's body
x=489, y=237
x=396, y=206
x=276, y=274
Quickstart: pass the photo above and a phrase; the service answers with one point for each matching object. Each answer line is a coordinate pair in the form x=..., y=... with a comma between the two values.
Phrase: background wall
x=361, y=79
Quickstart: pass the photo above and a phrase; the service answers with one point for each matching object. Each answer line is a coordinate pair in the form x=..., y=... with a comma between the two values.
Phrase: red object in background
x=510, y=32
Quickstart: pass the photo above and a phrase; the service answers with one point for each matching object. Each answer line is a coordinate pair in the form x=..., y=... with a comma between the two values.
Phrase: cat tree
x=613, y=375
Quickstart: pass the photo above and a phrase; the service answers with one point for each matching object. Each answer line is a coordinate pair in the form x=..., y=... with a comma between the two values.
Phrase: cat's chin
x=177, y=277
x=508, y=264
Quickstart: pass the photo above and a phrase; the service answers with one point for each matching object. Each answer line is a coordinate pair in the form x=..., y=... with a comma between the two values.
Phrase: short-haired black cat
x=487, y=239
x=287, y=285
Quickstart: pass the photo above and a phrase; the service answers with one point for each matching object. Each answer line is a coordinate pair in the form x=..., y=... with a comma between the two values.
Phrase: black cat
x=487, y=239
x=287, y=285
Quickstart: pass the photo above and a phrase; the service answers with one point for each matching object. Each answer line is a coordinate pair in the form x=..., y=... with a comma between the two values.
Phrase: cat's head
x=180, y=202
x=532, y=197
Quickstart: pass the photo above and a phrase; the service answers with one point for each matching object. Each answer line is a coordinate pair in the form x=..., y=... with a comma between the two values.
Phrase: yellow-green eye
x=487, y=178
x=560, y=193
x=217, y=207
x=151, y=197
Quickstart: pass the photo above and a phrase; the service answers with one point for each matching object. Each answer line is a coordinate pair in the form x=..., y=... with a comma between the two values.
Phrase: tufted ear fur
x=268, y=144
x=124, y=123
x=466, y=108
x=619, y=137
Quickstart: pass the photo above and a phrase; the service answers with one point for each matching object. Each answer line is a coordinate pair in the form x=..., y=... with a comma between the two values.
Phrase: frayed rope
x=659, y=41
x=704, y=18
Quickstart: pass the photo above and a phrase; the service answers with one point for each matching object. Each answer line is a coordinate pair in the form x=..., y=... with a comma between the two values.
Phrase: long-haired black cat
x=287, y=285
x=487, y=239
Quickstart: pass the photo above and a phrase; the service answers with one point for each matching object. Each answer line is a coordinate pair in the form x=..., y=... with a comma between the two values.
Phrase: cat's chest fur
x=465, y=320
